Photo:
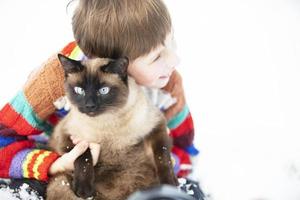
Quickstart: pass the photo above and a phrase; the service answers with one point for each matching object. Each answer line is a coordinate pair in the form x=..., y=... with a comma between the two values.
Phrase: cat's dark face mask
x=96, y=87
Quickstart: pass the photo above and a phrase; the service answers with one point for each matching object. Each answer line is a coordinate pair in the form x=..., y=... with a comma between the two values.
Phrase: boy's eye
x=79, y=90
x=156, y=58
x=104, y=90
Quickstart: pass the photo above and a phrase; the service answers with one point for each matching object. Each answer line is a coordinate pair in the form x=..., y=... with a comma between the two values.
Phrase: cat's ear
x=69, y=65
x=118, y=66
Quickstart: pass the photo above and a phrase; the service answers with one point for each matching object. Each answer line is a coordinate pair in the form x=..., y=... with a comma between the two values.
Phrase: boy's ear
x=118, y=66
x=69, y=65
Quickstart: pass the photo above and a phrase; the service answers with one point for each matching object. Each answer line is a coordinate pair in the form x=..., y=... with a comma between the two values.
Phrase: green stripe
x=49, y=131
x=179, y=118
x=74, y=54
x=22, y=107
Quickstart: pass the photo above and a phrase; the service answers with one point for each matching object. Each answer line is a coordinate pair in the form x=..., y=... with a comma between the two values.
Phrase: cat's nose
x=90, y=106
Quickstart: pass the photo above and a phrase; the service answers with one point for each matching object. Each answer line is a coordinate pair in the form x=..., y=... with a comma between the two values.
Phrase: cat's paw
x=83, y=190
x=170, y=180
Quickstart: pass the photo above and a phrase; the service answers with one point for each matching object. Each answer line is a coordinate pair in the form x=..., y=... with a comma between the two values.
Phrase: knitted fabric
x=32, y=112
x=26, y=115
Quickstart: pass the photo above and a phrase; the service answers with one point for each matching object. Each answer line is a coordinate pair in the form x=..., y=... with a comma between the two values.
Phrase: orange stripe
x=38, y=162
x=44, y=167
x=31, y=164
x=67, y=50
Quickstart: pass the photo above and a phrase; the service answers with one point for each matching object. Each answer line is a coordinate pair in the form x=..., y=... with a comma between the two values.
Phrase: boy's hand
x=94, y=148
x=175, y=88
x=66, y=161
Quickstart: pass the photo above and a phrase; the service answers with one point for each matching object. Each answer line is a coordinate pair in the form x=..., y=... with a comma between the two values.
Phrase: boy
x=138, y=29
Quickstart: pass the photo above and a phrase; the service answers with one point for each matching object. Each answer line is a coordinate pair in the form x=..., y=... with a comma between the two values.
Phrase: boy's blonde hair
x=115, y=28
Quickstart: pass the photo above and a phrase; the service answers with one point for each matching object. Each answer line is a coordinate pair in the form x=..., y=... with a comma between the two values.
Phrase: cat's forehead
x=92, y=69
x=93, y=65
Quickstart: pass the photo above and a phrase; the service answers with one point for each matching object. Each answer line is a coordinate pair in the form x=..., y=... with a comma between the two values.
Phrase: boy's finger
x=74, y=139
x=79, y=149
x=95, y=151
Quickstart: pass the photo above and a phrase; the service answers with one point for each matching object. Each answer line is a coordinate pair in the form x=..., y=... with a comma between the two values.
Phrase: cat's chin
x=92, y=114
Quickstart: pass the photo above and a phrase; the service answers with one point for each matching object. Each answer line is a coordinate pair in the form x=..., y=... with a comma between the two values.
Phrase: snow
x=22, y=193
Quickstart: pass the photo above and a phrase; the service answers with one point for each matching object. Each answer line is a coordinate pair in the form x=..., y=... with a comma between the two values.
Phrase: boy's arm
x=26, y=114
x=179, y=118
x=181, y=127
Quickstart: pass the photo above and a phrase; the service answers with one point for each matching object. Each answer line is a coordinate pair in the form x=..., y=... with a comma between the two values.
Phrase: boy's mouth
x=163, y=77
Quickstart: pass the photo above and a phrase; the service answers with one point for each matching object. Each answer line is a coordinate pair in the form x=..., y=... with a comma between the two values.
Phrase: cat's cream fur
x=135, y=146
x=124, y=127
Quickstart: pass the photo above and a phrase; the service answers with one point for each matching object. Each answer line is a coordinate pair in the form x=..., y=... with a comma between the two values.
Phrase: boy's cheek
x=142, y=80
x=160, y=83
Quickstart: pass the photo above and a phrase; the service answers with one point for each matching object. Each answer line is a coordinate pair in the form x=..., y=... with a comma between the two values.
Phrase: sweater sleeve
x=180, y=121
x=26, y=115
x=181, y=126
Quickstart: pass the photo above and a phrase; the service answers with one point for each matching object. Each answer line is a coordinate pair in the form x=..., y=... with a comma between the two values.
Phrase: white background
x=240, y=63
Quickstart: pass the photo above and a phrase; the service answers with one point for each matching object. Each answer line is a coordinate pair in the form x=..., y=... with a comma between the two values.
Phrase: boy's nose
x=177, y=60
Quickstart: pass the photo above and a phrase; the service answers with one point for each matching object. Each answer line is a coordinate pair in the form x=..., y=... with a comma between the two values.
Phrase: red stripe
x=182, y=155
x=44, y=167
x=53, y=119
x=31, y=164
x=184, y=158
x=8, y=132
x=10, y=118
x=185, y=127
x=7, y=154
x=2, y=126
x=67, y=50
x=185, y=140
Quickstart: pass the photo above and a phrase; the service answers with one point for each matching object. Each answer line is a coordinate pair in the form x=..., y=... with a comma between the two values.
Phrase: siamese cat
x=109, y=108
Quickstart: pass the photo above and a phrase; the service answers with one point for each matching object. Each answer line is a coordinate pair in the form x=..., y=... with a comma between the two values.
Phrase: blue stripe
x=192, y=150
x=4, y=141
x=41, y=138
x=179, y=118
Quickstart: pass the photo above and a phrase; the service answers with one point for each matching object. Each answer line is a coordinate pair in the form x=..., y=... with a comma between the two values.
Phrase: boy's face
x=155, y=68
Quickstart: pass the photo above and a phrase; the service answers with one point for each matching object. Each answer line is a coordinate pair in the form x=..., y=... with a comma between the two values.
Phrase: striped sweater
x=28, y=120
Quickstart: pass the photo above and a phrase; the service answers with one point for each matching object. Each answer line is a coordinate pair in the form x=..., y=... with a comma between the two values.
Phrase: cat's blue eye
x=79, y=90
x=104, y=90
